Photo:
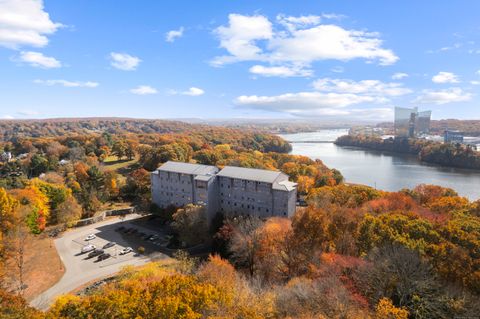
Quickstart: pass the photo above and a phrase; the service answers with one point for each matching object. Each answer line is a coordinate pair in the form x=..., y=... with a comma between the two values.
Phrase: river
x=382, y=170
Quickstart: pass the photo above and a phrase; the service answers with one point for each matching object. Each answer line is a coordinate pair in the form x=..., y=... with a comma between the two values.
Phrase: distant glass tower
x=411, y=123
x=422, y=125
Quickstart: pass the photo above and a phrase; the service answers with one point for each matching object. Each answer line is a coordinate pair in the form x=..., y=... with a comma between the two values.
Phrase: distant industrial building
x=410, y=123
x=451, y=136
x=231, y=191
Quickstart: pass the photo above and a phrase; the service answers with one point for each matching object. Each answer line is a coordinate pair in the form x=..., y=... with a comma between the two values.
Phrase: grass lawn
x=42, y=266
x=113, y=163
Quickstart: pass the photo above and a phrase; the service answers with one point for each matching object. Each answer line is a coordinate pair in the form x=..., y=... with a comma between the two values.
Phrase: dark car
x=141, y=235
x=121, y=228
x=154, y=237
x=147, y=237
x=108, y=245
x=96, y=252
x=103, y=256
x=126, y=230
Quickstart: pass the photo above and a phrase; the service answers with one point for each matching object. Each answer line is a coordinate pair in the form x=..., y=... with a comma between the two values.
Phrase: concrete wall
x=172, y=189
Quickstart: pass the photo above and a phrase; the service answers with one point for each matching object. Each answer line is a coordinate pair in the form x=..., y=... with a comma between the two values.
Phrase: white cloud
x=293, y=23
x=38, y=60
x=369, y=87
x=24, y=22
x=478, y=72
x=144, y=90
x=331, y=97
x=28, y=113
x=70, y=84
x=302, y=41
x=298, y=102
x=443, y=96
x=445, y=77
x=475, y=82
x=193, y=91
x=171, y=35
x=7, y=117
x=338, y=69
x=123, y=61
x=399, y=76
x=239, y=37
x=280, y=71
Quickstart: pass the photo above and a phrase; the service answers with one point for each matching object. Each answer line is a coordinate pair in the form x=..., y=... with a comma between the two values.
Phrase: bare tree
x=245, y=242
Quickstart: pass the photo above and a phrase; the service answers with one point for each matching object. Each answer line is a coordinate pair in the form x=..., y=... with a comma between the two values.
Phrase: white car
x=126, y=250
x=86, y=249
x=90, y=237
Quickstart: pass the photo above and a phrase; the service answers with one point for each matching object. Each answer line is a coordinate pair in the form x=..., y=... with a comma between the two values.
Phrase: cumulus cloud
x=369, y=87
x=69, y=84
x=303, y=101
x=445, y=77
x=330, y=97
x=193, y=91
x=399, y=76
x=144, y=90
x=302, y=41
x=171, y=35
x=123, y=61
x=25, y=23
x=440, y=97
x=39, y=60
x=280, y=71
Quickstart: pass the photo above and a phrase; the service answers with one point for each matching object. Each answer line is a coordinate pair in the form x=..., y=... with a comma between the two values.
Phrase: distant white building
x=6, y=157
x=231, y=191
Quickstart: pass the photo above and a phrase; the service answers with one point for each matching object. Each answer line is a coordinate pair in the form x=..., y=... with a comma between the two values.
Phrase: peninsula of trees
x=445, y=154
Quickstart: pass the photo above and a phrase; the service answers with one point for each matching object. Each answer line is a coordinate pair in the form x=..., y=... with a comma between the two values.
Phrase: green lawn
x=113, y=163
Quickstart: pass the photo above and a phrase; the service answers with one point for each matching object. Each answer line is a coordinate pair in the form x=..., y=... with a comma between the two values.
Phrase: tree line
x=445, y=154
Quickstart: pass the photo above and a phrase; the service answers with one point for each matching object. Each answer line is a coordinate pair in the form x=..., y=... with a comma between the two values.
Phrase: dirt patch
x=42, y=266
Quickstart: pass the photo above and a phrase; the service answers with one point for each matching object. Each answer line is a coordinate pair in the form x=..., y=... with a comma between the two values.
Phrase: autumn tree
x=190, y=223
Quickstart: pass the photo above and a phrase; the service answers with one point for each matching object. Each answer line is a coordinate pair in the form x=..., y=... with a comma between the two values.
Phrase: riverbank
x=445, y=154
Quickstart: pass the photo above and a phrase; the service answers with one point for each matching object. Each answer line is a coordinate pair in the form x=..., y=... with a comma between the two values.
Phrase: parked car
x=126, y=250
x=154, y=237
x=141, y=235
x=103, y=256
x=121, y=228
x=147, y=237
x=126, y=229
x=96, y=252
x=108, y=245
x=87, y=248
x=90, y=237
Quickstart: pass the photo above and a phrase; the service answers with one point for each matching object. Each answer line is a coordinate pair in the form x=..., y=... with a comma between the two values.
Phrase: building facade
x=410, y=123
x=231, y=191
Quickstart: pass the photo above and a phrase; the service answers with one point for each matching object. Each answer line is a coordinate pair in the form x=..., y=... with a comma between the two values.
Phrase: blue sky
x=245, y=59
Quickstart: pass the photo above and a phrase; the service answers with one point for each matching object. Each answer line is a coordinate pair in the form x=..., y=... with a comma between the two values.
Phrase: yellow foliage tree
x=386, y=310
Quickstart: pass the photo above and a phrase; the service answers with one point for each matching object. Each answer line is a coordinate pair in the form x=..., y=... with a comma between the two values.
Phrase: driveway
x=81, y=270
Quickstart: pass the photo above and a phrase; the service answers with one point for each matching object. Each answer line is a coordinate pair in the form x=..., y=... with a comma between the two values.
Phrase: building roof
x=251, y=174
x=284, y=186
x=188, y=168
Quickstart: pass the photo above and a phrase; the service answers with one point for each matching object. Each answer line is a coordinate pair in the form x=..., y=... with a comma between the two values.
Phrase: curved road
x=79, y=270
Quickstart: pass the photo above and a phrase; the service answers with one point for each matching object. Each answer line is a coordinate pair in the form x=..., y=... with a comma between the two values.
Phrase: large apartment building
x=231, y=191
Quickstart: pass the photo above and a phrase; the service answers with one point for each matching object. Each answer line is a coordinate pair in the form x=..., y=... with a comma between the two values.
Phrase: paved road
x=80, y=270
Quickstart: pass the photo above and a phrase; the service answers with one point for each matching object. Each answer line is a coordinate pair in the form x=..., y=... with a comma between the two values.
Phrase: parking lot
x=80, y=269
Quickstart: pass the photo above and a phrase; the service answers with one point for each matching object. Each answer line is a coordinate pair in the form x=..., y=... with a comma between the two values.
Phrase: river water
x=382, y=170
